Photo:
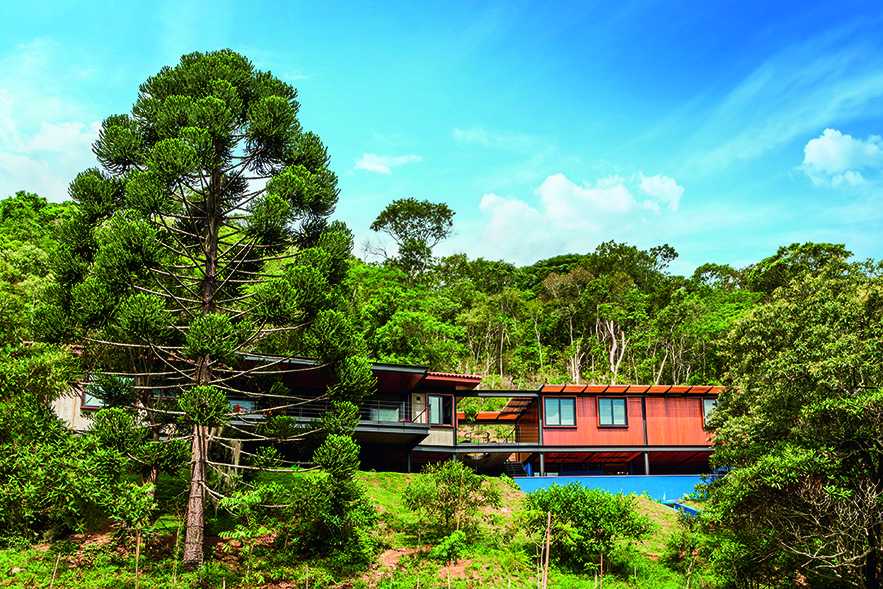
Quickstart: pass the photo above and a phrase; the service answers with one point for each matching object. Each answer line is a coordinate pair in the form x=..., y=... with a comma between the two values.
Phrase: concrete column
x=542, y=464
x=646, y=463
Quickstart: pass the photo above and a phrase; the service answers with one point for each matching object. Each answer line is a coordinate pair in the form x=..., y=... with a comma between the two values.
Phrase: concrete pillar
x=646, y=463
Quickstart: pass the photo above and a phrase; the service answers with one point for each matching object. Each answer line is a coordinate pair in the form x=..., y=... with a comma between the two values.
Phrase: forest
x=206, y=235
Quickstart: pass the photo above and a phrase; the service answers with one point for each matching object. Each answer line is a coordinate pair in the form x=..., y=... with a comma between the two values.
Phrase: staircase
x=514, y=469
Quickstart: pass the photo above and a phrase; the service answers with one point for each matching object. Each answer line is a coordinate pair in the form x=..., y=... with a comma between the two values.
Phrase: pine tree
x=205, y=236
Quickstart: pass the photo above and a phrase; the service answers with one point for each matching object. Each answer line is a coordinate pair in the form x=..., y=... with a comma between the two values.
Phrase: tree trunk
x=193, y=539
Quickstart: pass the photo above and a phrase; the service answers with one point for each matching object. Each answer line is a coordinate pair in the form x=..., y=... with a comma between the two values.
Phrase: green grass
x=500, y=554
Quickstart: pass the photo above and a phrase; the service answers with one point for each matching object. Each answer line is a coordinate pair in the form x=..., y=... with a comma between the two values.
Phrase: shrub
x=586, y=523
x=450, y=494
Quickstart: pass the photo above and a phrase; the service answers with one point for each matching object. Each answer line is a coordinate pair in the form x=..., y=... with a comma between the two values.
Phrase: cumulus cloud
x=837, y=160
x=663, y=188
x=383, y=164
x=45, y=136
x=566, y=215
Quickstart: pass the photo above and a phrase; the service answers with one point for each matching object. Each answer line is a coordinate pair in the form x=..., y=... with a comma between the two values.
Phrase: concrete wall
x=68, y=408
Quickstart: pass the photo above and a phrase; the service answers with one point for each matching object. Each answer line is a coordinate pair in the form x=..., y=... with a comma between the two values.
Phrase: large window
x=612, y=412
x=708, y=406
x=441, y=410
x=560, y=411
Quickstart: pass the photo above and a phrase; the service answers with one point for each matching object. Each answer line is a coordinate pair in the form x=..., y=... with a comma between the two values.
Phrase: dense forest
x=168, y=265
x=613, y=315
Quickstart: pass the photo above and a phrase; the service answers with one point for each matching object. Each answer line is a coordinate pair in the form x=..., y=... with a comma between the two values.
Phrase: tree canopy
x=799, y=432
x=416, y=227
x=206, y=236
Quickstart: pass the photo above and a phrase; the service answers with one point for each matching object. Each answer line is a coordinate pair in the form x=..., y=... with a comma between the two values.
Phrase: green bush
x=586, y=523
x=450, y=495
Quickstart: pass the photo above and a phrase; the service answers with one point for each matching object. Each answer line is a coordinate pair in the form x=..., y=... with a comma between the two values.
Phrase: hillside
x=497, y=555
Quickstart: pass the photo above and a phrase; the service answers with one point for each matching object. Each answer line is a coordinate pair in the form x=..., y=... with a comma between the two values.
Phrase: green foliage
x=416, y=227
x=451, y=496
x=114, y=390
x=799, y=433
x=451, y=547
x=586, y=522
x=339, y=456
x=205, y=405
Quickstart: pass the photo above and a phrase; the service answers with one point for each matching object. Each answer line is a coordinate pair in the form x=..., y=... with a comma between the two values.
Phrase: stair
x=514, y=469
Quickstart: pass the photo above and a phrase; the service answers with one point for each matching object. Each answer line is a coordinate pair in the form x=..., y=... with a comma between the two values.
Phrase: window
x=708, y=406
x=441, y=410
x=612, y=412
x=90, y=401
x=242, y=405
x=559, y=411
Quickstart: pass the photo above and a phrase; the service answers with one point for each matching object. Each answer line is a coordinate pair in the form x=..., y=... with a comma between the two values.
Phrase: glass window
x=559, y=411
x=612, y=412
x=242, y=405
x=708, y=406
x=91, y=400
x=441, y=410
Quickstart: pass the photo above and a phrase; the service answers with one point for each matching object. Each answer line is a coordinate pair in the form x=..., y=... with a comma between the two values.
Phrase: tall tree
x=205, y=237
x=416, y=227
x=800, y=431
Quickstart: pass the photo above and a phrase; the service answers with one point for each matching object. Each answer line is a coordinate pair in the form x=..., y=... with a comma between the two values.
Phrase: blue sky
x=724, y=129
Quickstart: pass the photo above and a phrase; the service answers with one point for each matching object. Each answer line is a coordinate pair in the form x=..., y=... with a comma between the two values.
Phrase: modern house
x=411, y=418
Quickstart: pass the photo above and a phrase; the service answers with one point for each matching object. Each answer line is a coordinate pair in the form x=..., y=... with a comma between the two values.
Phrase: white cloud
x=45, y=135
x=831, y=77
x=511, y=140
x=383, y=164
x=572, y=217
x=663, y=188
x=834, y=159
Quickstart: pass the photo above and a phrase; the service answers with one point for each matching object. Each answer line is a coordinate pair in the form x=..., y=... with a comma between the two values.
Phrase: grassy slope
x=500, y=554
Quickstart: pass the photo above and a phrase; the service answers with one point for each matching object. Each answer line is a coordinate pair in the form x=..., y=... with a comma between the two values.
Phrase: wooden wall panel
x=675, y=421
x=587, y=432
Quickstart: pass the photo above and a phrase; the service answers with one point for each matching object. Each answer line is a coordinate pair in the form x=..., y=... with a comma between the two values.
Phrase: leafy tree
x=205, y=237
x=453, y=496
x=790, y=262
x=27, y=224
x=800, y=429
x=587, y=523
x=416, y=227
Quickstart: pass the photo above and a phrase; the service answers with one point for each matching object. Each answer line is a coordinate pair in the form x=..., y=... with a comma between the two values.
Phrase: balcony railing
x=516, y=433
x=374, y=411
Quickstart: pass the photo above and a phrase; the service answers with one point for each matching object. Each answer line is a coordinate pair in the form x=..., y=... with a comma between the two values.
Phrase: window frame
x=449, y=415
x=706, y=413
x=97, y=403
x=546, y=412
x=625, y=405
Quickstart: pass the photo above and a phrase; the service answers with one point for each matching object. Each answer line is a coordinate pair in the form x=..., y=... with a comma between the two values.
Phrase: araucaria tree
x=201, y=247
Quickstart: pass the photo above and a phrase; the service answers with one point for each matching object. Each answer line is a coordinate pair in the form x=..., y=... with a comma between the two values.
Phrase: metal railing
x=373, y=411
x=520, y=433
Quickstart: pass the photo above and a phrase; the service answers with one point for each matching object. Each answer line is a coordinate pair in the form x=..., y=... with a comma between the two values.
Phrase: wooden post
x=548, y=542
x=137, y=552
x=602, y=570
x=54, y=569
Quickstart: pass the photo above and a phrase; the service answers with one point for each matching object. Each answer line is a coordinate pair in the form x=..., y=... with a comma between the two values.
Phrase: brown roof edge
x=632, y=389
x=460, y=381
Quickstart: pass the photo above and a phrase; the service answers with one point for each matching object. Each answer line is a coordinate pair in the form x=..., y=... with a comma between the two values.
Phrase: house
x=411, y=418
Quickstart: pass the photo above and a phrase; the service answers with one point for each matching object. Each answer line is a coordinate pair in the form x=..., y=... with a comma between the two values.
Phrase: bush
x=450, y=495
x=586, y=523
